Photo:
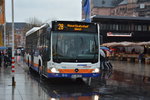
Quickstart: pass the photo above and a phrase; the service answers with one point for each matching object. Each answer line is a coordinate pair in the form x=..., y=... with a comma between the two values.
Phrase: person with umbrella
x=105, y=64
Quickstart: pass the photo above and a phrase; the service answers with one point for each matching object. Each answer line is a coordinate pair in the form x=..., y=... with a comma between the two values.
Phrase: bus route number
x=60, y=26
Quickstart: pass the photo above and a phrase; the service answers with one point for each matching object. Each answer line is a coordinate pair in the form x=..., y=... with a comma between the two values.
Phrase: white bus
x=64, y=49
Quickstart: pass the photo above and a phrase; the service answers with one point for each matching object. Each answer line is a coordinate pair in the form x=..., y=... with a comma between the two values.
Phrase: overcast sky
x=44, y=10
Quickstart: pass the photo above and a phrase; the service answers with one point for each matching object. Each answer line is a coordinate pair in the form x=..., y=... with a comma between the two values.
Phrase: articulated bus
x=64, y=49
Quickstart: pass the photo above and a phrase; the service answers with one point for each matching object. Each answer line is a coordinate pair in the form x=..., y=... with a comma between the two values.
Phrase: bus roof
x=34, y=29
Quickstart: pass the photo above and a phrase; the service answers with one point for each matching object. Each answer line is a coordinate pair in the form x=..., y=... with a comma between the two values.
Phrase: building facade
x=19, y=32
x=125, y=8
x=102, y=7
x=143, y=8
x=121, y=7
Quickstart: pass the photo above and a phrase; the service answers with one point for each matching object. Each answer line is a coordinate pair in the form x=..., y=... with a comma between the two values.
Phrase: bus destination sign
x=74, y=26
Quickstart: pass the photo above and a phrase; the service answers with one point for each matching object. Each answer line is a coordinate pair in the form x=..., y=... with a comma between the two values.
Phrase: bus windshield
x=75, y=47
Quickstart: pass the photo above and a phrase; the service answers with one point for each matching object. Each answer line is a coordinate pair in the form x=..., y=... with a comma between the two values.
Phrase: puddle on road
x=122, y=85
x=114, y=85
x=66, y=89
x=130, y=79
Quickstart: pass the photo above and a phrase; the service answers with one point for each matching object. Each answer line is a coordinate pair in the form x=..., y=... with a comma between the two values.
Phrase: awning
x=104, y=48
x=2, y=48
x=125, y=43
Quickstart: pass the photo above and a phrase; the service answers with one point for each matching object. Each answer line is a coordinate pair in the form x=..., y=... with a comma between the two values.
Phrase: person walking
x=7, y=60
x=140, y=57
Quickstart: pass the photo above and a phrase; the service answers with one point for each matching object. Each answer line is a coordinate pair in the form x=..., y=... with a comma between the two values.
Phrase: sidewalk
x=132, y=68
x=25, y=89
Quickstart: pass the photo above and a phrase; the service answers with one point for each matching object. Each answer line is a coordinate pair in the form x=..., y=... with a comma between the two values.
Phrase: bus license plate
x=76, y=76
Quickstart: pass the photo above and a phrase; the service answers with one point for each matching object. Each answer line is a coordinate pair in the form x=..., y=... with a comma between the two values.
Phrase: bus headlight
x=96, y=97
x=54, y=70
x=96, y=70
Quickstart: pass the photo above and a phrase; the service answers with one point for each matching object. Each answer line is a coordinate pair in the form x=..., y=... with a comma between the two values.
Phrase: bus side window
x=47, y=45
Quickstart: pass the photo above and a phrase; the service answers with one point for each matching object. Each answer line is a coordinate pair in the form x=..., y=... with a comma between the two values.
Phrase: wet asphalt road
x=127, y=81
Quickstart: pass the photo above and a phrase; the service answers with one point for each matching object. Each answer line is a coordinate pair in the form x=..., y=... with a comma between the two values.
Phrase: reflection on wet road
x=127, y=81
x=132, y=68
x=112, y=85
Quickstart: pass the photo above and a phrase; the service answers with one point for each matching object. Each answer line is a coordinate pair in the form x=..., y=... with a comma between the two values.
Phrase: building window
x=114, y=26
x=139, y=27
x=144, y=27
x=149, y=28
x=136, y=27
x=117, y=27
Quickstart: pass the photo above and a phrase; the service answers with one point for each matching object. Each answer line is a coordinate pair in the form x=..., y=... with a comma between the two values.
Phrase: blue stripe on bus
x=71, y=74
x=33, y=67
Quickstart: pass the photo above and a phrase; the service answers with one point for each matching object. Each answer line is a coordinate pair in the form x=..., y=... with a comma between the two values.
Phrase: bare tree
x=33, y=22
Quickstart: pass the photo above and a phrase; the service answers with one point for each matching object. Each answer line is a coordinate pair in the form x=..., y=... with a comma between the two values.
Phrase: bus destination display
x=74, y=26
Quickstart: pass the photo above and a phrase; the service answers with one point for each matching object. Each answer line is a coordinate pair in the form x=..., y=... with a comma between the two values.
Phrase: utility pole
x=4, y=25
x=5, y=32
x=13, y=56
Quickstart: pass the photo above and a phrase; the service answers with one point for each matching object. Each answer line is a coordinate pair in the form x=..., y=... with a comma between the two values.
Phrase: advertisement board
x=2, y=12
x=2, y=20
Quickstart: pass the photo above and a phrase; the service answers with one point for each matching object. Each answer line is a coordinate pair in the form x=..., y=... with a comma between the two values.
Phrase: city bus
x=64, y=49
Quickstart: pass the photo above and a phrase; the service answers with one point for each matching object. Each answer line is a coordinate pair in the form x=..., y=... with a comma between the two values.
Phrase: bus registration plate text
x=76, y=76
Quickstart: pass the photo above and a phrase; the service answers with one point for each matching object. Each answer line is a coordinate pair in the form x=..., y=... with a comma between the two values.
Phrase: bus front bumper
x=73, y=75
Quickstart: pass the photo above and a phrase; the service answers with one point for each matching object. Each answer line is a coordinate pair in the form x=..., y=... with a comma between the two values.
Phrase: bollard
x=13, y=71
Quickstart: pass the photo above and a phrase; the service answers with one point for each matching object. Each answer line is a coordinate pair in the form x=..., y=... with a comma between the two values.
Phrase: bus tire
x=28, y=63
x=79, y=80
x=39, y=71
x=30, y=70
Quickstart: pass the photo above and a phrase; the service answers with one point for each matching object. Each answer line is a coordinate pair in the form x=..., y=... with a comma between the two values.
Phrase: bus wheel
x=30, y=69
x=39, y=70
x=79, y=80
x=28, y=63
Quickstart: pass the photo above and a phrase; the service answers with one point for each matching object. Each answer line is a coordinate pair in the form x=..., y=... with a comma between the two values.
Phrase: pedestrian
x=7, y=60
x=140, y=57
x=104, y=62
